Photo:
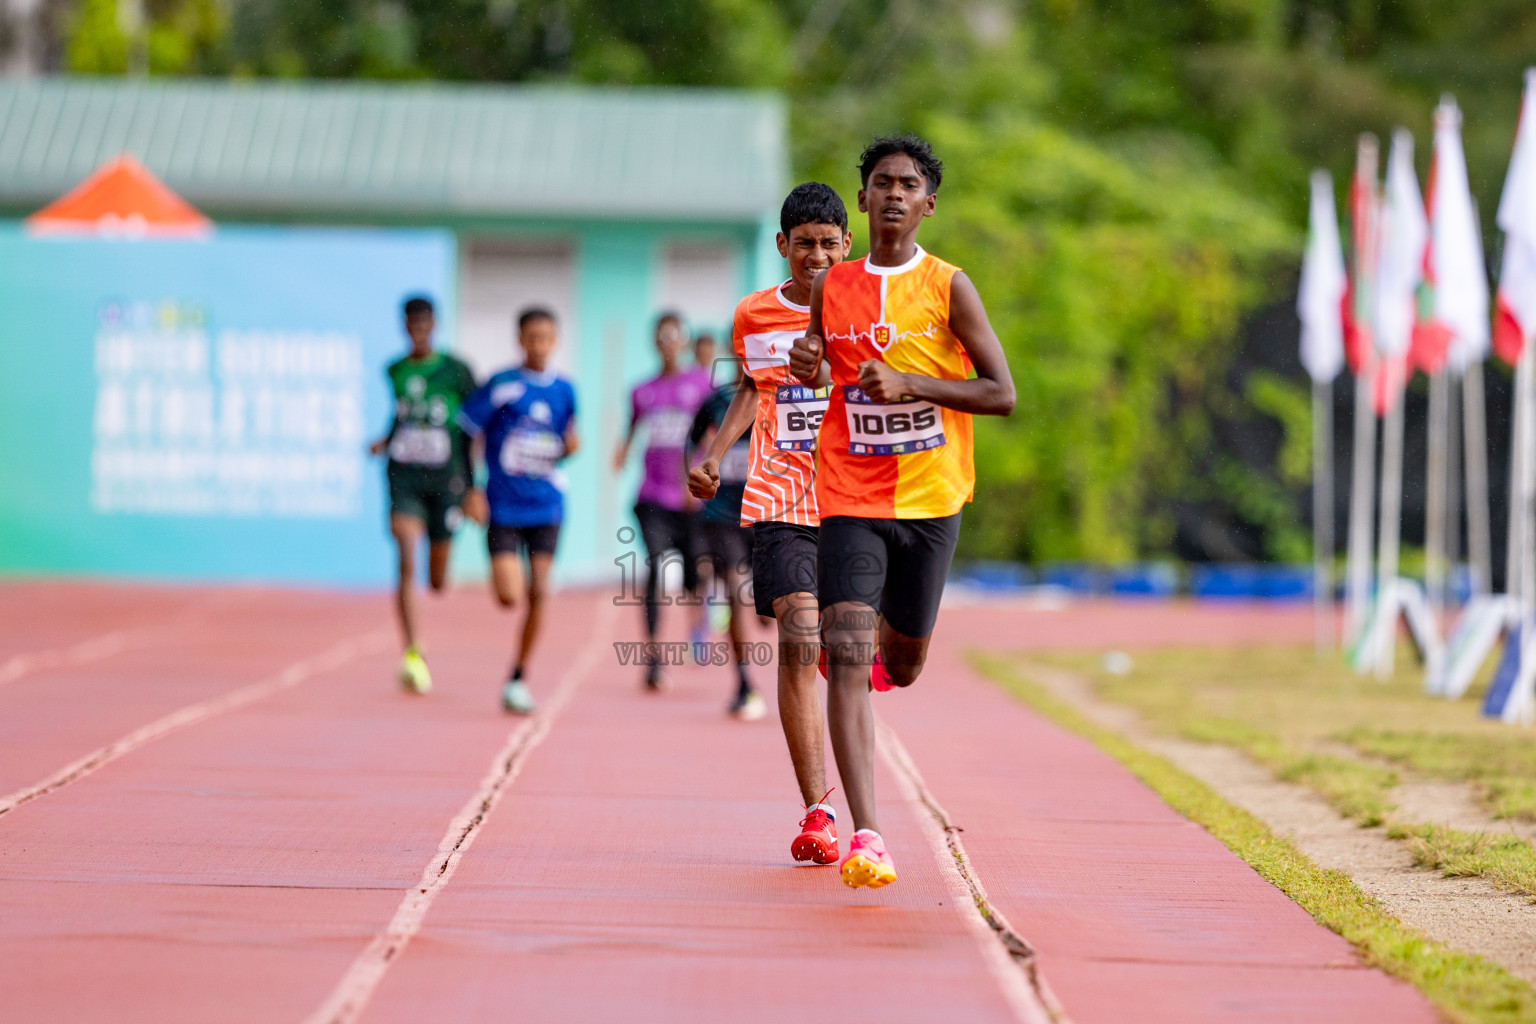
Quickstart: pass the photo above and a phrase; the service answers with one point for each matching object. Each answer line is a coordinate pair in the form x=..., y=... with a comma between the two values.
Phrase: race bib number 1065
x=894, y=429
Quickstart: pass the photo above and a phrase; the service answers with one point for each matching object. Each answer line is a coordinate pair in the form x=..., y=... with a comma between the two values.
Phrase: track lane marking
x=1008, y=956
x=93, y=649
x=347, y=1001
x=332, y=658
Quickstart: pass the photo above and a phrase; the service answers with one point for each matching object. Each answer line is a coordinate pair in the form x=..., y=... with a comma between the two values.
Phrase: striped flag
x=1404, y=233
x=1454, y=325
x=1515, y=322
x=1324, y=290
x=1364, y=207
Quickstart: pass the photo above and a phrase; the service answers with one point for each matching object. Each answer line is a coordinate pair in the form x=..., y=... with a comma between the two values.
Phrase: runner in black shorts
x=780, y=499
x=663, y=408
x=428, y=471
x=728, y=543
x=526, y=418
x=904, y=340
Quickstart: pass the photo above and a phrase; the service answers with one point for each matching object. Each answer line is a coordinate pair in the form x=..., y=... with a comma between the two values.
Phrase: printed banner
x=201, y=410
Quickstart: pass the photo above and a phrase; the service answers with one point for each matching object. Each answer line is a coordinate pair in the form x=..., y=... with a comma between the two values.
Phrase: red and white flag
x=1454, y=325
x=1321, y=297
x=1400, y=265
x=1515, y=324
x=1404, y=234
x=1364, y=206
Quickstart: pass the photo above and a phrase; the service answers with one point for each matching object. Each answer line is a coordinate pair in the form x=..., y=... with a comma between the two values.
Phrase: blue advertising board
x=200, y=410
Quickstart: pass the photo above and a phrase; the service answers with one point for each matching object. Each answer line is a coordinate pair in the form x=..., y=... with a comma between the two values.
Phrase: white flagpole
x=1362, y=504
x=1391, y=516
x=1475, y=441
x=1454, y=490
x=1513, y=563
x=1322, y=515
x=1518, y=708
x=1435, y=484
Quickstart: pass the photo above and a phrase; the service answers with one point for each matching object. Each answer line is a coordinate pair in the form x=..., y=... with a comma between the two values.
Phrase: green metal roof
x=415, y=150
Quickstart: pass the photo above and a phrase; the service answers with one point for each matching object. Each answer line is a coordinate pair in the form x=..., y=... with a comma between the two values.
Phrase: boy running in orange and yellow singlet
x=778, y=499
x=904, y=340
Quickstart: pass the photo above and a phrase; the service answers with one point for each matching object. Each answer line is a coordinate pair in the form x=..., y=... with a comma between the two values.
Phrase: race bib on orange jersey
x=798, y=412
x=894, y=428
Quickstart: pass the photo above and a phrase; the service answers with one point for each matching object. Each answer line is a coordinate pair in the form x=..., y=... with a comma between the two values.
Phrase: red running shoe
x=817, y=841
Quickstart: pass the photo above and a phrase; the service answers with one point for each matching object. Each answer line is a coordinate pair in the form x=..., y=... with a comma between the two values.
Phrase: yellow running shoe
x=414, y=675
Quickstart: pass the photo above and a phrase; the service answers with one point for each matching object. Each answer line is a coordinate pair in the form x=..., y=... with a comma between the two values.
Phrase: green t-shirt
x=426, y=436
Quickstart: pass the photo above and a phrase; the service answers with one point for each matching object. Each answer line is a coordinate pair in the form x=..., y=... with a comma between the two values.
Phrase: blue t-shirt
x=523, y=417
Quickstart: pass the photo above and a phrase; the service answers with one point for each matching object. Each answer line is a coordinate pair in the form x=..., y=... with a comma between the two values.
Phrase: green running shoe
x=414, y=675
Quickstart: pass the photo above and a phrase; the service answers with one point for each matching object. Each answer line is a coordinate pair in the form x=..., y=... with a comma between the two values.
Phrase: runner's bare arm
x=622, y=455
x=572, y=442
x=380, y=446
x=808, y=355
x=475, y=506
x=989, y=393
x=704, y=479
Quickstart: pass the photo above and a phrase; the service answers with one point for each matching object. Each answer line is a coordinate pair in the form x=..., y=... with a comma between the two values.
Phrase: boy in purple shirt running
x=665, y=405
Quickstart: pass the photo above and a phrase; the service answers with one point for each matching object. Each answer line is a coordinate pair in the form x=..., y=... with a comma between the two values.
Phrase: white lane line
x=293, y=675
x=94, y=649
x=1007, y=955
x=350, y=997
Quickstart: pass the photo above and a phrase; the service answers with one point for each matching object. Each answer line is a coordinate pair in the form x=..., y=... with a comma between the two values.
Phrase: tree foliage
x=1127, y=182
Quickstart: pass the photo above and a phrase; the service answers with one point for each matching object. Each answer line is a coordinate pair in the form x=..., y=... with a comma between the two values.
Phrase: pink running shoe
x=879, y=678
x=868, y=863
x=817, y=841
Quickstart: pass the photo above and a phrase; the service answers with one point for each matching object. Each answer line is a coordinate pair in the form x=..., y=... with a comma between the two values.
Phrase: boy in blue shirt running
x=525, y=418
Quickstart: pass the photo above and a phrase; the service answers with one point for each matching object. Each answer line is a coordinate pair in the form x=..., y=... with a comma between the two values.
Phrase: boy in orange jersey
x=778, y=499
x=904, y=340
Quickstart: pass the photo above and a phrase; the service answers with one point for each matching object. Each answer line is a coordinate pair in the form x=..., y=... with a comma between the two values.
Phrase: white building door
x=498, y=279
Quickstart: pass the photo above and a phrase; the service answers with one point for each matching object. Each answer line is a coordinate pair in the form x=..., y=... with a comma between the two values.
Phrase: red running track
x=329, y=848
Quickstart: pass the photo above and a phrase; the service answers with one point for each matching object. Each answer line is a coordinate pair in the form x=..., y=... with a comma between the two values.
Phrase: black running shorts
x=513, y=540
x=783, y=562
x=666, y=529
x=895, y=566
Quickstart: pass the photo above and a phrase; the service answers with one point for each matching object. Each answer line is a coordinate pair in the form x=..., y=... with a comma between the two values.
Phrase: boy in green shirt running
x=429, y=471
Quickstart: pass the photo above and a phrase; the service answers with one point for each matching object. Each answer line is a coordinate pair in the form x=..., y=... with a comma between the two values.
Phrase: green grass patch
x=1506, y=860
x=1502, y=766
x=1355, y=789
x=1466, y=987
x=1283, y=707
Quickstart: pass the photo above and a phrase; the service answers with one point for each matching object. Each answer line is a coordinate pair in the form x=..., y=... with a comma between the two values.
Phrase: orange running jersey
x=789, y=414
x=904, y=460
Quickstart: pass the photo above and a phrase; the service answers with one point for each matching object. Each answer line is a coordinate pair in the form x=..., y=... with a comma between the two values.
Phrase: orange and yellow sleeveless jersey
x=782, y=466
x=904, y=460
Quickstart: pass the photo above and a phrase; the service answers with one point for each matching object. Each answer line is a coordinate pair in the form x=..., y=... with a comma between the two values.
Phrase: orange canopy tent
x=121, y=199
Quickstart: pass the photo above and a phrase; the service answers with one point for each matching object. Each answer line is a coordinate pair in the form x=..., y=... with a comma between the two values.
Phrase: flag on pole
x=1404, y=234
x=1364, y=208
x=1404, y=231
x=1323, y=286
x=1516, y=319
x=1454, y=325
